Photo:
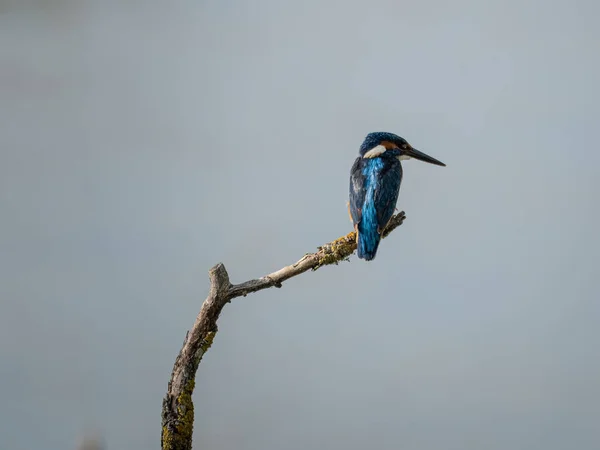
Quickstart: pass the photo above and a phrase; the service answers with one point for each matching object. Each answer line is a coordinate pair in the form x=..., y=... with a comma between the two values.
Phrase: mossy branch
x=178, y=408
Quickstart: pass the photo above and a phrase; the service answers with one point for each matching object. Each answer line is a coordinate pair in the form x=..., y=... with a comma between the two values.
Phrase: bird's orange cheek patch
x=388, y=145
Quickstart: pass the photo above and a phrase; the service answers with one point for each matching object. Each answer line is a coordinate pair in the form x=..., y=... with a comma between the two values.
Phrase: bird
x=375, y=179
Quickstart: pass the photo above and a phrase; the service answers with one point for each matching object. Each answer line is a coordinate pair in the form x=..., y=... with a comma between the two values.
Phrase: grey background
x=142, y=142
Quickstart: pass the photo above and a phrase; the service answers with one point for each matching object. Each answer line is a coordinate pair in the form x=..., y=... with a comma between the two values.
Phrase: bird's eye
x=404, y=146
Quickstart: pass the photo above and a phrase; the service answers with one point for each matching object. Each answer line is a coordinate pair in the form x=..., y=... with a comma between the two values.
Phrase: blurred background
x=143, y=142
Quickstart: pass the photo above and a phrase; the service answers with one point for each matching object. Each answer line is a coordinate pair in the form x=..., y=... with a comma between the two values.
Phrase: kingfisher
x=375, y=180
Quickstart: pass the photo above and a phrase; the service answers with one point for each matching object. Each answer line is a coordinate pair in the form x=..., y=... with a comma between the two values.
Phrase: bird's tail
x=367, y=243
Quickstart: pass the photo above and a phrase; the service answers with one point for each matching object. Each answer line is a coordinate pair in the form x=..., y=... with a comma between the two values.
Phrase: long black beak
x=414, y=153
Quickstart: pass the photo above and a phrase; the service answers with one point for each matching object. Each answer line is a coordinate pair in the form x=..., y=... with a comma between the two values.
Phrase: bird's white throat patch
x=375, y=152
x=404, y=157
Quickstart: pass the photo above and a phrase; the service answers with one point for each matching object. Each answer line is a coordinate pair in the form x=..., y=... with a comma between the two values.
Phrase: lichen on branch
x=178, y=408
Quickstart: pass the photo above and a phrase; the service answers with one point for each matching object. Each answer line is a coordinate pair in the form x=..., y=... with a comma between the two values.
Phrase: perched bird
x=375, y=180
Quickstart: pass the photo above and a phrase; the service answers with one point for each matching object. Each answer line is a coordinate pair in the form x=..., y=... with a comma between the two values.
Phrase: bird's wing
x=357, y=190
x=386, y=194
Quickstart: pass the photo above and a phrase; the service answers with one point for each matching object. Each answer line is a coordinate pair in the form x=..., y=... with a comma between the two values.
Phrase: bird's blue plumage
x=369, y=237
x=374, y=187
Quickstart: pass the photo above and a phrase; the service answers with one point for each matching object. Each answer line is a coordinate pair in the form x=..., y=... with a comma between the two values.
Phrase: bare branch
x=178, y=408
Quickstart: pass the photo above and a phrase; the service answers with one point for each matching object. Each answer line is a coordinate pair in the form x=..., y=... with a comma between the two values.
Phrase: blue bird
x=375, y=180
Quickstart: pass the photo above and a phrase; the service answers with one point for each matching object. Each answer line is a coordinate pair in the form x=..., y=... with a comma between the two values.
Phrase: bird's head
x=380, y=143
